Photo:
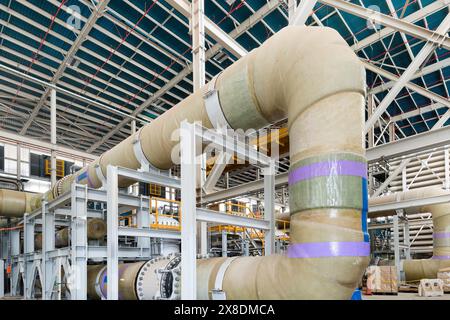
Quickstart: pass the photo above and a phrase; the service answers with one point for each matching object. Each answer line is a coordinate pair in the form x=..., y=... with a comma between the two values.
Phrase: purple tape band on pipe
x=329, y=168
x=328, y=249
x=441, y=235
x=441, y=257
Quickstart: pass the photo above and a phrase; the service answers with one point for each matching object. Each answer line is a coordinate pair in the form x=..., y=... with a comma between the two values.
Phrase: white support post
x=53, y=136
x=2, y=278
x=15, y=251
x=198, y=43
x=79, y=244
x=396, y=243
x=447, y=168
x=406, y=240
x=143, y=222
x=269, y=208
x=188, y=208
x=28, y=247
x=303, y=11
x=370, y=108
x=224, y=243
x=48, y=244
x=112, y=191
x=19, y=161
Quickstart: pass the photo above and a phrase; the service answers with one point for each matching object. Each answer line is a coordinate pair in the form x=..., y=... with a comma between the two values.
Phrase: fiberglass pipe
x=415, y=270
x=96, y=230
x=311, y=76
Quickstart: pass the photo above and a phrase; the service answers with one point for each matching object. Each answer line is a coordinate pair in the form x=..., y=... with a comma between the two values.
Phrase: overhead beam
x=184, y=7
x=437, y=38
x=67, y=92
x=10, y=137
x=413, y=17
x=414, y=144
x=98, y=11
x=424, y=92
x=238, y=31
x=303, y=11
x=420, y=58
x=421, y=73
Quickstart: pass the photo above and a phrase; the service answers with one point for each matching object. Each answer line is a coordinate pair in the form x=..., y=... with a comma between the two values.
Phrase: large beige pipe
x=96, y=230
x=425, y=268
x=14, y=203
x=312, y=77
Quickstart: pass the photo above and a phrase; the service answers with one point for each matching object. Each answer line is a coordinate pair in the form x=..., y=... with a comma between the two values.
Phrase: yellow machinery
x=60, y=170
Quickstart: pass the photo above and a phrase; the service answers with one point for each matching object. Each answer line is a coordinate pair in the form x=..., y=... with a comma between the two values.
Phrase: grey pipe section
x=312, y=77
x=416, y=270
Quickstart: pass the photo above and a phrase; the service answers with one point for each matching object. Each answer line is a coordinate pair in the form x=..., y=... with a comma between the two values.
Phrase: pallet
x=408, y=289
x=385, y=293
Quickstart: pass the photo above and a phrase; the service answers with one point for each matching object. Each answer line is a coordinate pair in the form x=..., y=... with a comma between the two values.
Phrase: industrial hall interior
x=224, y=150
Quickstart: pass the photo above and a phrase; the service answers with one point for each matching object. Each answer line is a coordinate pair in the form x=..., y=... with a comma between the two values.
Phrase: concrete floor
x=405, y=296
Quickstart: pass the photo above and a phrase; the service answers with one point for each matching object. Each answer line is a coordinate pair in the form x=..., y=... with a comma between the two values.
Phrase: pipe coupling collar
x=217, y=293
x=213, y=107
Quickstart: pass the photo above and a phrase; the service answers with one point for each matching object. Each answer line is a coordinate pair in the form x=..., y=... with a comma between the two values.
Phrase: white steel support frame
x=447, y=169
x=28, y=249
x=143, y=230
x=424, y=53
x=53, y=136
x=198, y=62
x=2, y=278
x=112, y=233
x=302, y=12
x=79, y=245
x=48, y=244
x=408, y=28
x=191, y=139
x=15, y=270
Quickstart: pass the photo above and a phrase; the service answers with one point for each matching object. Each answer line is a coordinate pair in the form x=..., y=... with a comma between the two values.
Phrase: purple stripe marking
x=328, y=249
x=441, y=257
x=441, y=235
x=333, y=168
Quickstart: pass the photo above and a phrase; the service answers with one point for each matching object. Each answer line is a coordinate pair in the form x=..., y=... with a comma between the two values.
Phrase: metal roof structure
x=116, y=61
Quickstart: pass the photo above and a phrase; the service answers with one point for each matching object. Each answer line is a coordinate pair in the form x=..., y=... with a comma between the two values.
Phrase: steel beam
x=184, y=7
x=238, y=31
x=112, y=233
x=420, y=58
x=437, y=38
x=303, y=11
x=417, y=143
x=424, y=92
x=69, y=56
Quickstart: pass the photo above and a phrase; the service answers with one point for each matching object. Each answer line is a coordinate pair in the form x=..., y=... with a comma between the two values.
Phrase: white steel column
x=48, y=244
x=19, y=161
x=53, y=135
x=198, y=42
x=396, y=243
x=269, y=208
x=199, y=60
x=427, y=49
x=112, y=233
x=79, y=244
x=370, y=108
x=188, y=208
x=302, y=12
x=2, y=278
x=447, y=168
x=28, y=247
